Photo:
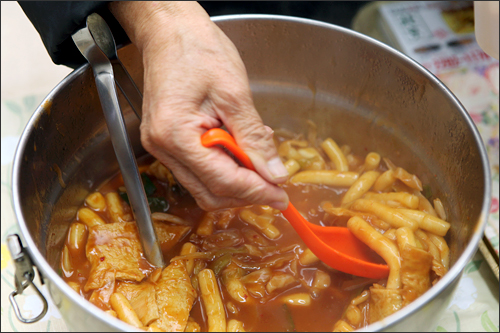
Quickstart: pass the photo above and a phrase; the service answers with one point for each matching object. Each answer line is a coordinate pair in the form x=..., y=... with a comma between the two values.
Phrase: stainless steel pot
x=357, y=90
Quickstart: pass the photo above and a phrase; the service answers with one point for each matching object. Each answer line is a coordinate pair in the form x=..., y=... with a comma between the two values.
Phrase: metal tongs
x=96, y=43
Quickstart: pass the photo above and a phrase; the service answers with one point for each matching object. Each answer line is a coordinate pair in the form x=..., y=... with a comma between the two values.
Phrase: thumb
x=256, y=140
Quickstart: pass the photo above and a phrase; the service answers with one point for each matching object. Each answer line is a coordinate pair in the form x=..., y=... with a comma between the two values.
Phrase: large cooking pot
x=357, y=90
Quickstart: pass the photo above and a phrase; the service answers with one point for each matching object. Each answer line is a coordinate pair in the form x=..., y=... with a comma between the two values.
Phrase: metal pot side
x=356, y=89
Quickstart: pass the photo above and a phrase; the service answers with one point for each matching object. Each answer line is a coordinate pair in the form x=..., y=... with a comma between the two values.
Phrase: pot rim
x=453, y=274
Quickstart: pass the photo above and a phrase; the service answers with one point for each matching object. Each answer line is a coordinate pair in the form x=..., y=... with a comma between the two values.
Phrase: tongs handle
x=127, y=85
x=104, y=39
x=105, y=82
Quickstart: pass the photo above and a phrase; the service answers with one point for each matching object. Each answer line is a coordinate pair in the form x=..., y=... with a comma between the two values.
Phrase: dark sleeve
x=56, y=21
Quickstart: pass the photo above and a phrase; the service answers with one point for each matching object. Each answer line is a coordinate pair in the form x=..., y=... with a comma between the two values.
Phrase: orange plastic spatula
x=335, y=246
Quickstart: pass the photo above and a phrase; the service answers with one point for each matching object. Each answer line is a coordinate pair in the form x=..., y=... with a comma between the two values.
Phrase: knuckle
x=255, y=137
x=256, y=133
x=152, y=134
x=159, y=135
x=165, y=134
x=239, y=95
x=233, y=99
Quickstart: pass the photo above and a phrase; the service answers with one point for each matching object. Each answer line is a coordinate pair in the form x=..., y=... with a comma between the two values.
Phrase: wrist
x=152, y=22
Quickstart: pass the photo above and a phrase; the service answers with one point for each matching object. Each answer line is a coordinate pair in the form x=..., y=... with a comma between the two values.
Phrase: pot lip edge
x=452, y=274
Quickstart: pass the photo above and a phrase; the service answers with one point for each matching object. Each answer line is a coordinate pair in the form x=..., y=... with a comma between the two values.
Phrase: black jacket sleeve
x=56, y=21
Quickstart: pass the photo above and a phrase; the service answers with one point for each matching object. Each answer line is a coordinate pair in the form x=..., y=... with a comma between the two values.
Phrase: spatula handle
x=217, y=136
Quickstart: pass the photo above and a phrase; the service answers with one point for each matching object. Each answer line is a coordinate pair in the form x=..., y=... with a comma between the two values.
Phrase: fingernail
x=277, y=168
x=280, y=205
x=269, y=130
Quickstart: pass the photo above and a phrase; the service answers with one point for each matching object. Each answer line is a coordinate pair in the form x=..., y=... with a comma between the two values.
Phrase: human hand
x=194, y=80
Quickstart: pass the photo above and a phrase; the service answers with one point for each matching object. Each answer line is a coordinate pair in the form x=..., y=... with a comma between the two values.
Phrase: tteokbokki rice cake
x=246, y=269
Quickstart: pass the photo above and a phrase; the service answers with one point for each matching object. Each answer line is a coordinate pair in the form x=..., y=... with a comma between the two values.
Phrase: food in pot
x=246, y=268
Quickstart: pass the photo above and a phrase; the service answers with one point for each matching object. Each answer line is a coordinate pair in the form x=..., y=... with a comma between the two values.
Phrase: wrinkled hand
x=194, y=80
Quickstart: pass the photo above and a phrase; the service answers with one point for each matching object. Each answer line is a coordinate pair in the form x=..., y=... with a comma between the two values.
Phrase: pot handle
x=24, y=275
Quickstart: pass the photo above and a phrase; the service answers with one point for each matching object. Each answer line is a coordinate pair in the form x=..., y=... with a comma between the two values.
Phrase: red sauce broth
x=320, y=315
